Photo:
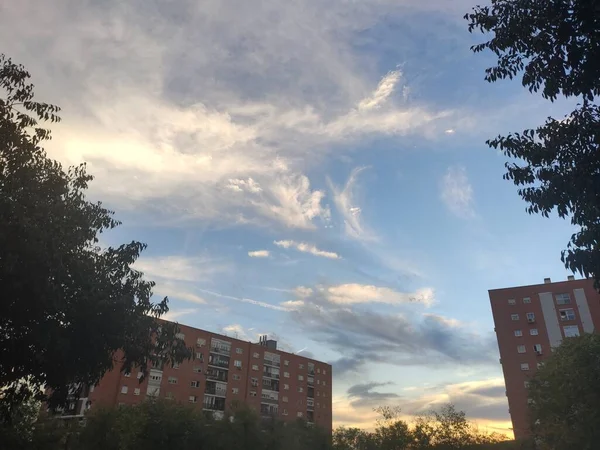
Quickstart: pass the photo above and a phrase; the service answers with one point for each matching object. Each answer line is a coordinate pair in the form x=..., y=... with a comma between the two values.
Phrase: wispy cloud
x=350, y=211
x=259, y=254
x=244, y=300
x=174, y=128
x=382, y=93
x=175, y=314
x=457, y=192
x=180, y=268
x=307, y=248
x=353, y=293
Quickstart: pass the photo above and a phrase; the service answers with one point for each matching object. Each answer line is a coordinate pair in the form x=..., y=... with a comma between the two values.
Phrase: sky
x=315, y=171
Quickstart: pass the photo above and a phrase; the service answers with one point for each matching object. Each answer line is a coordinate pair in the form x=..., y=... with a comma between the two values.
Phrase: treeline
x=163, y=424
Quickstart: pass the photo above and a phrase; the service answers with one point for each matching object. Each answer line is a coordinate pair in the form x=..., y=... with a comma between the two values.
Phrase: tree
x=449, y=429
x=565, y=394
x=67, y=305
x=555, y=45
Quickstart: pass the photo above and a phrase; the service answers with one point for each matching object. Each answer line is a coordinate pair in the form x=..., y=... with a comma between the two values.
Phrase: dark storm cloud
x=363, y=395
x=409, y=339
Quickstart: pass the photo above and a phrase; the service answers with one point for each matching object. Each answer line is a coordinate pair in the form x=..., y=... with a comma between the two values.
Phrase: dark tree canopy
x=565, y=394
x=67, y=305
x=555, y=46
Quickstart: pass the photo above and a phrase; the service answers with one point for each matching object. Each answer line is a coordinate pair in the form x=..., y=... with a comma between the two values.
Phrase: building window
x=180, y=336
x=252, y=393
x=192, y=399
x=286, y=387
x=200, y=356
x=237, y=363
x=533, y=332
x=524, y=366
x=300, y=389
x=526, y=384
x=284, y=399
x=172, y=380
x=318, y=370
x=530, y=317
x=300, y=366
x=127, y=374
x=526, y=300
x=254, y=367
x=239, y=351
x=300, y=378
x=124, y=390
x=197, y=369
x=567, y=314
x=139, y=375
x=514, y=316
x=521, y=348
x=286, y=374
x=518, y=333
x=286, y=362
x=235, y=390
x=563, y=299
x=256, y=355
x=200, y=342
x=571, y=330
x=512, y=301
x=136, y=391
x=324, y=372
x=195, y=384
x=254, y=381
x=537, y=348
x=300, y=414
x=284, y=412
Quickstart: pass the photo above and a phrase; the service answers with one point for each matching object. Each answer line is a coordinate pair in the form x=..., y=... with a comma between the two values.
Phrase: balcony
x=220, y=350
x=214, y=404
x=218, y=361
x=273, y=375
x=218, y=390
x=216, y=375
x=271, y=363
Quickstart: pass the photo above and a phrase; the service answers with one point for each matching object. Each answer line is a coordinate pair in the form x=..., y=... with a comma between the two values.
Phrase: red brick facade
x=223, y=370
x=530, y=320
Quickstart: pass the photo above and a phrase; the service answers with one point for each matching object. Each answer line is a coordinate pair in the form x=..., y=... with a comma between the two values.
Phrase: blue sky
x=316, y=171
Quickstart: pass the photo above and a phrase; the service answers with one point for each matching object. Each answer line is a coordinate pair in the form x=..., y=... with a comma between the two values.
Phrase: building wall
x=549, y=325
x=292, y=396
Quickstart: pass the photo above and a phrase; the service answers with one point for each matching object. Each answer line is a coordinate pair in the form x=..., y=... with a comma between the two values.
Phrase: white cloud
x=307, y=248
x=351, y=213
x=259, y=254
x=354, y=293
x=201, y=114
x=457, y=192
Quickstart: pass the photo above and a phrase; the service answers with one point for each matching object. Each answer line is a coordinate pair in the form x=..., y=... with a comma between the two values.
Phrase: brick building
x=529, y=322
x=224, y=370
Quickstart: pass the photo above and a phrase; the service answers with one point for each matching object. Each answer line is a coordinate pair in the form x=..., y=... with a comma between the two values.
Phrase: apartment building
x=529, y=322
x=224, y=370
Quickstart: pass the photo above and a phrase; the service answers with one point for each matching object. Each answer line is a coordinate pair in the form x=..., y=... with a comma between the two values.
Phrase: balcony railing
x=271, y=375
x=220, y=350
x=221, y=363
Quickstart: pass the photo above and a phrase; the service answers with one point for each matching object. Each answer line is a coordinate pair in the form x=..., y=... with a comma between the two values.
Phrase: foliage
x=565, y=394
x=555, y=45
x=164, y=424
x=443, y=429
x=67, y=305
x=448, y=429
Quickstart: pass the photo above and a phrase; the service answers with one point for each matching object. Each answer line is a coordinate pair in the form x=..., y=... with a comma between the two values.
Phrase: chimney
x=571, y=278
x=547, y=281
